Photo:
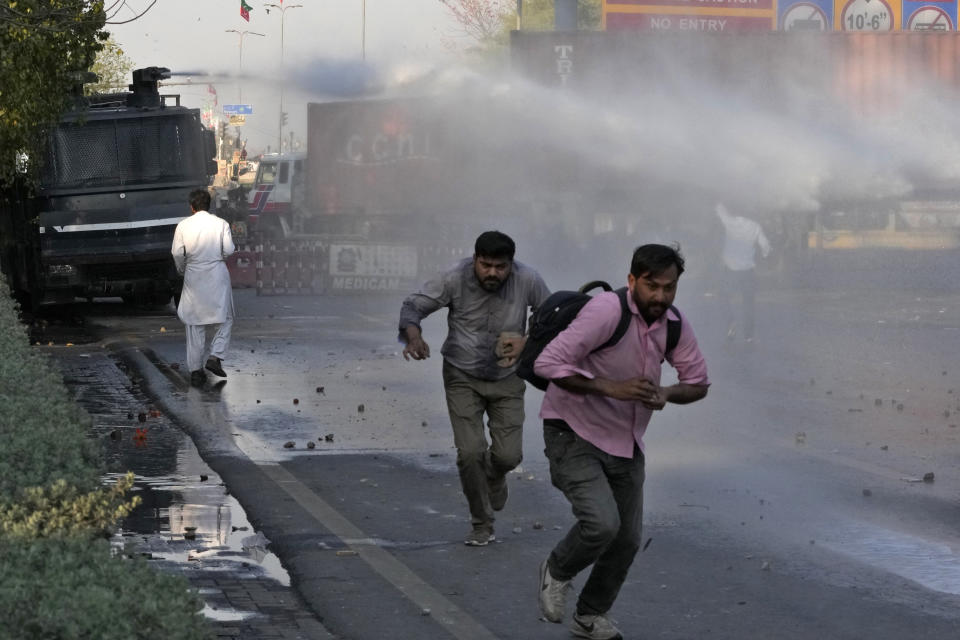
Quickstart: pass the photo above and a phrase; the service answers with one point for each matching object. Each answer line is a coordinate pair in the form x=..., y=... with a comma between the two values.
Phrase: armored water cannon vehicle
x=114, y=181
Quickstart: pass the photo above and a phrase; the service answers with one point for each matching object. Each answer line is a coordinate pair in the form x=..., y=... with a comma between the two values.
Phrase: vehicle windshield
x=125, y=151
x=267, y=174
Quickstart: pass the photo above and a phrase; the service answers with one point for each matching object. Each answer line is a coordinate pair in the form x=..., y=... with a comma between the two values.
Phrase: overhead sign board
x=238, y=121
x=238, y=109
x=689, y=15
x=934, y=16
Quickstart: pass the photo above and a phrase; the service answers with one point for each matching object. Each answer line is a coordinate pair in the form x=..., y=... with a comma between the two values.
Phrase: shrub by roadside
x=42, y=433
x=59, y=579
x=75, y=587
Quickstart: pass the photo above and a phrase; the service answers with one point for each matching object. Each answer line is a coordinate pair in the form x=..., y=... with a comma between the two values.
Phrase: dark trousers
x=606, y=494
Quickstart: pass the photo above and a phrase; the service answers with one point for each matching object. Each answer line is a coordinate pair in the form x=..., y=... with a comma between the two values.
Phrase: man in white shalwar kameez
x=201, y=243
x=742, y=238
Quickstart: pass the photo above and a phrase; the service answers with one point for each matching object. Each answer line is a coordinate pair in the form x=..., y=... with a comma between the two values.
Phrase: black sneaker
x=198, y=378
x=213, y=366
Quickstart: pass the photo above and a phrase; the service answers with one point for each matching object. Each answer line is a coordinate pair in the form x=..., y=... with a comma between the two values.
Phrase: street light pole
x=240, y=66
x=283, y=80
x=363, y=30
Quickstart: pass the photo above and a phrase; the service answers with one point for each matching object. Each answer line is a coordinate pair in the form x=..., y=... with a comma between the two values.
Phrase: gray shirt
x=477, y=316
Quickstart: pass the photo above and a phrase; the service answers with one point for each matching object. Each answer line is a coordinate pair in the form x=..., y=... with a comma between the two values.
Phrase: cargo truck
x=391, y=188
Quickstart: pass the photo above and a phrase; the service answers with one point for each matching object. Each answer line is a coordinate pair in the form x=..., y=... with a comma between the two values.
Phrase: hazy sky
x=321, y=44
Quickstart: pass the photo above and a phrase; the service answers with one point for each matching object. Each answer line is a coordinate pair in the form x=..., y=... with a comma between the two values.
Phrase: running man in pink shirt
x=595, y=413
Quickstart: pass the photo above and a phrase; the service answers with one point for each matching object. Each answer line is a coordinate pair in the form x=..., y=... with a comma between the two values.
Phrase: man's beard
x=647, y=311
x=491, y=284
x=653, y=312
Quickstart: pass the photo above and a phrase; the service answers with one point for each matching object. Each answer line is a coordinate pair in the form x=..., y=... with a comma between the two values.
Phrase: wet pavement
x=787, y=497
x=187, y=522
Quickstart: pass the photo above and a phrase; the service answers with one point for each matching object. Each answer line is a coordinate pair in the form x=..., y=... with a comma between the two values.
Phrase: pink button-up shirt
x=613, y=425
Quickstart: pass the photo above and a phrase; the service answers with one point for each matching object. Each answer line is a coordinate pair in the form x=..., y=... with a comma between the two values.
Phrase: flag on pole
x=245, y=10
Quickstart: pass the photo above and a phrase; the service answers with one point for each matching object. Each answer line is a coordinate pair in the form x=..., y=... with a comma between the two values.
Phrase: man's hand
x=639, y=390
x=416, y=348
x=509, y=346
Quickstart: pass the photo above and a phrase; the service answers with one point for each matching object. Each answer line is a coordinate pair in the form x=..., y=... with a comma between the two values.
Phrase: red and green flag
x=245, y=10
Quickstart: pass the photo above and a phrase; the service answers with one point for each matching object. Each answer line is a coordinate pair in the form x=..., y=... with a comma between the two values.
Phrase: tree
x=112, y=68
x=45, y=44
x=487, y=23
x=481, y=20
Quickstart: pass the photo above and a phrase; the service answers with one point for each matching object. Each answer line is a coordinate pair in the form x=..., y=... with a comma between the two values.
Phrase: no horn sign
x=810, y=15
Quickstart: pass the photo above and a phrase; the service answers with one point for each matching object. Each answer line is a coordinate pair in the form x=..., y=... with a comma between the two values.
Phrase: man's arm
x=509, y=348
x=226, y=241
x=433, y=295
x=683, y=393
x=179, y=251
x=650, y=395
x=763, y=242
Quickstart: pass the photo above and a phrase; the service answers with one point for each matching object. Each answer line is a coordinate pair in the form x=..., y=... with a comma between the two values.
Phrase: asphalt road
x=791, y=503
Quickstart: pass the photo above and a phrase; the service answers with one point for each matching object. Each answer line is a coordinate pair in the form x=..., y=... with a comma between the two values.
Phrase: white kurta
x=200, y=245
x=741, y=240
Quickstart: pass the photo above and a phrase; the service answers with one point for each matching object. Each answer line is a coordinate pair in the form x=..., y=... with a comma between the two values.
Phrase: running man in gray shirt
x=488, y=297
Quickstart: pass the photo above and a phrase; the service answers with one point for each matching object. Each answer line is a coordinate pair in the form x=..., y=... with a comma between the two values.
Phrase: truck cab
x=277, y=190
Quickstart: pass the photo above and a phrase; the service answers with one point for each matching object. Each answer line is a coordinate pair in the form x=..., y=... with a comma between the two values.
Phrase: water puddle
x=187, y=517
x=931, y=564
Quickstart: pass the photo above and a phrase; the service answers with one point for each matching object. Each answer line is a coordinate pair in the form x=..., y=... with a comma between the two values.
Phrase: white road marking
x=460, y=624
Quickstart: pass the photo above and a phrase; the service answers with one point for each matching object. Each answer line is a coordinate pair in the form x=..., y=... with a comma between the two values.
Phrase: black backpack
x=558, y=311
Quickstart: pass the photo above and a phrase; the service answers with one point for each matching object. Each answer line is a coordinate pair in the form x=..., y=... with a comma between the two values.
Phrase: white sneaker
x=594, y=628
x=553, y=595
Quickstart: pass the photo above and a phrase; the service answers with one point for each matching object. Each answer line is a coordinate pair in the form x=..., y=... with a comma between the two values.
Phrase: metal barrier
x=315, y=266
x=242, y=268
x=290, y=267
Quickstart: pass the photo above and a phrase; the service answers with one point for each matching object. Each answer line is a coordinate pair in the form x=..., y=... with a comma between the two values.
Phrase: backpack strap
x=673, y=332
x=625, y=317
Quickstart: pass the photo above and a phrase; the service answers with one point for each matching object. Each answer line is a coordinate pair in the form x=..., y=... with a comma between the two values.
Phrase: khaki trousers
x=482, y=464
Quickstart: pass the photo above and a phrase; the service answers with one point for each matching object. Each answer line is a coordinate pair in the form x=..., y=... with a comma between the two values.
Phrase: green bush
x=59, y=579
x=72, y=588
x=42, y=431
